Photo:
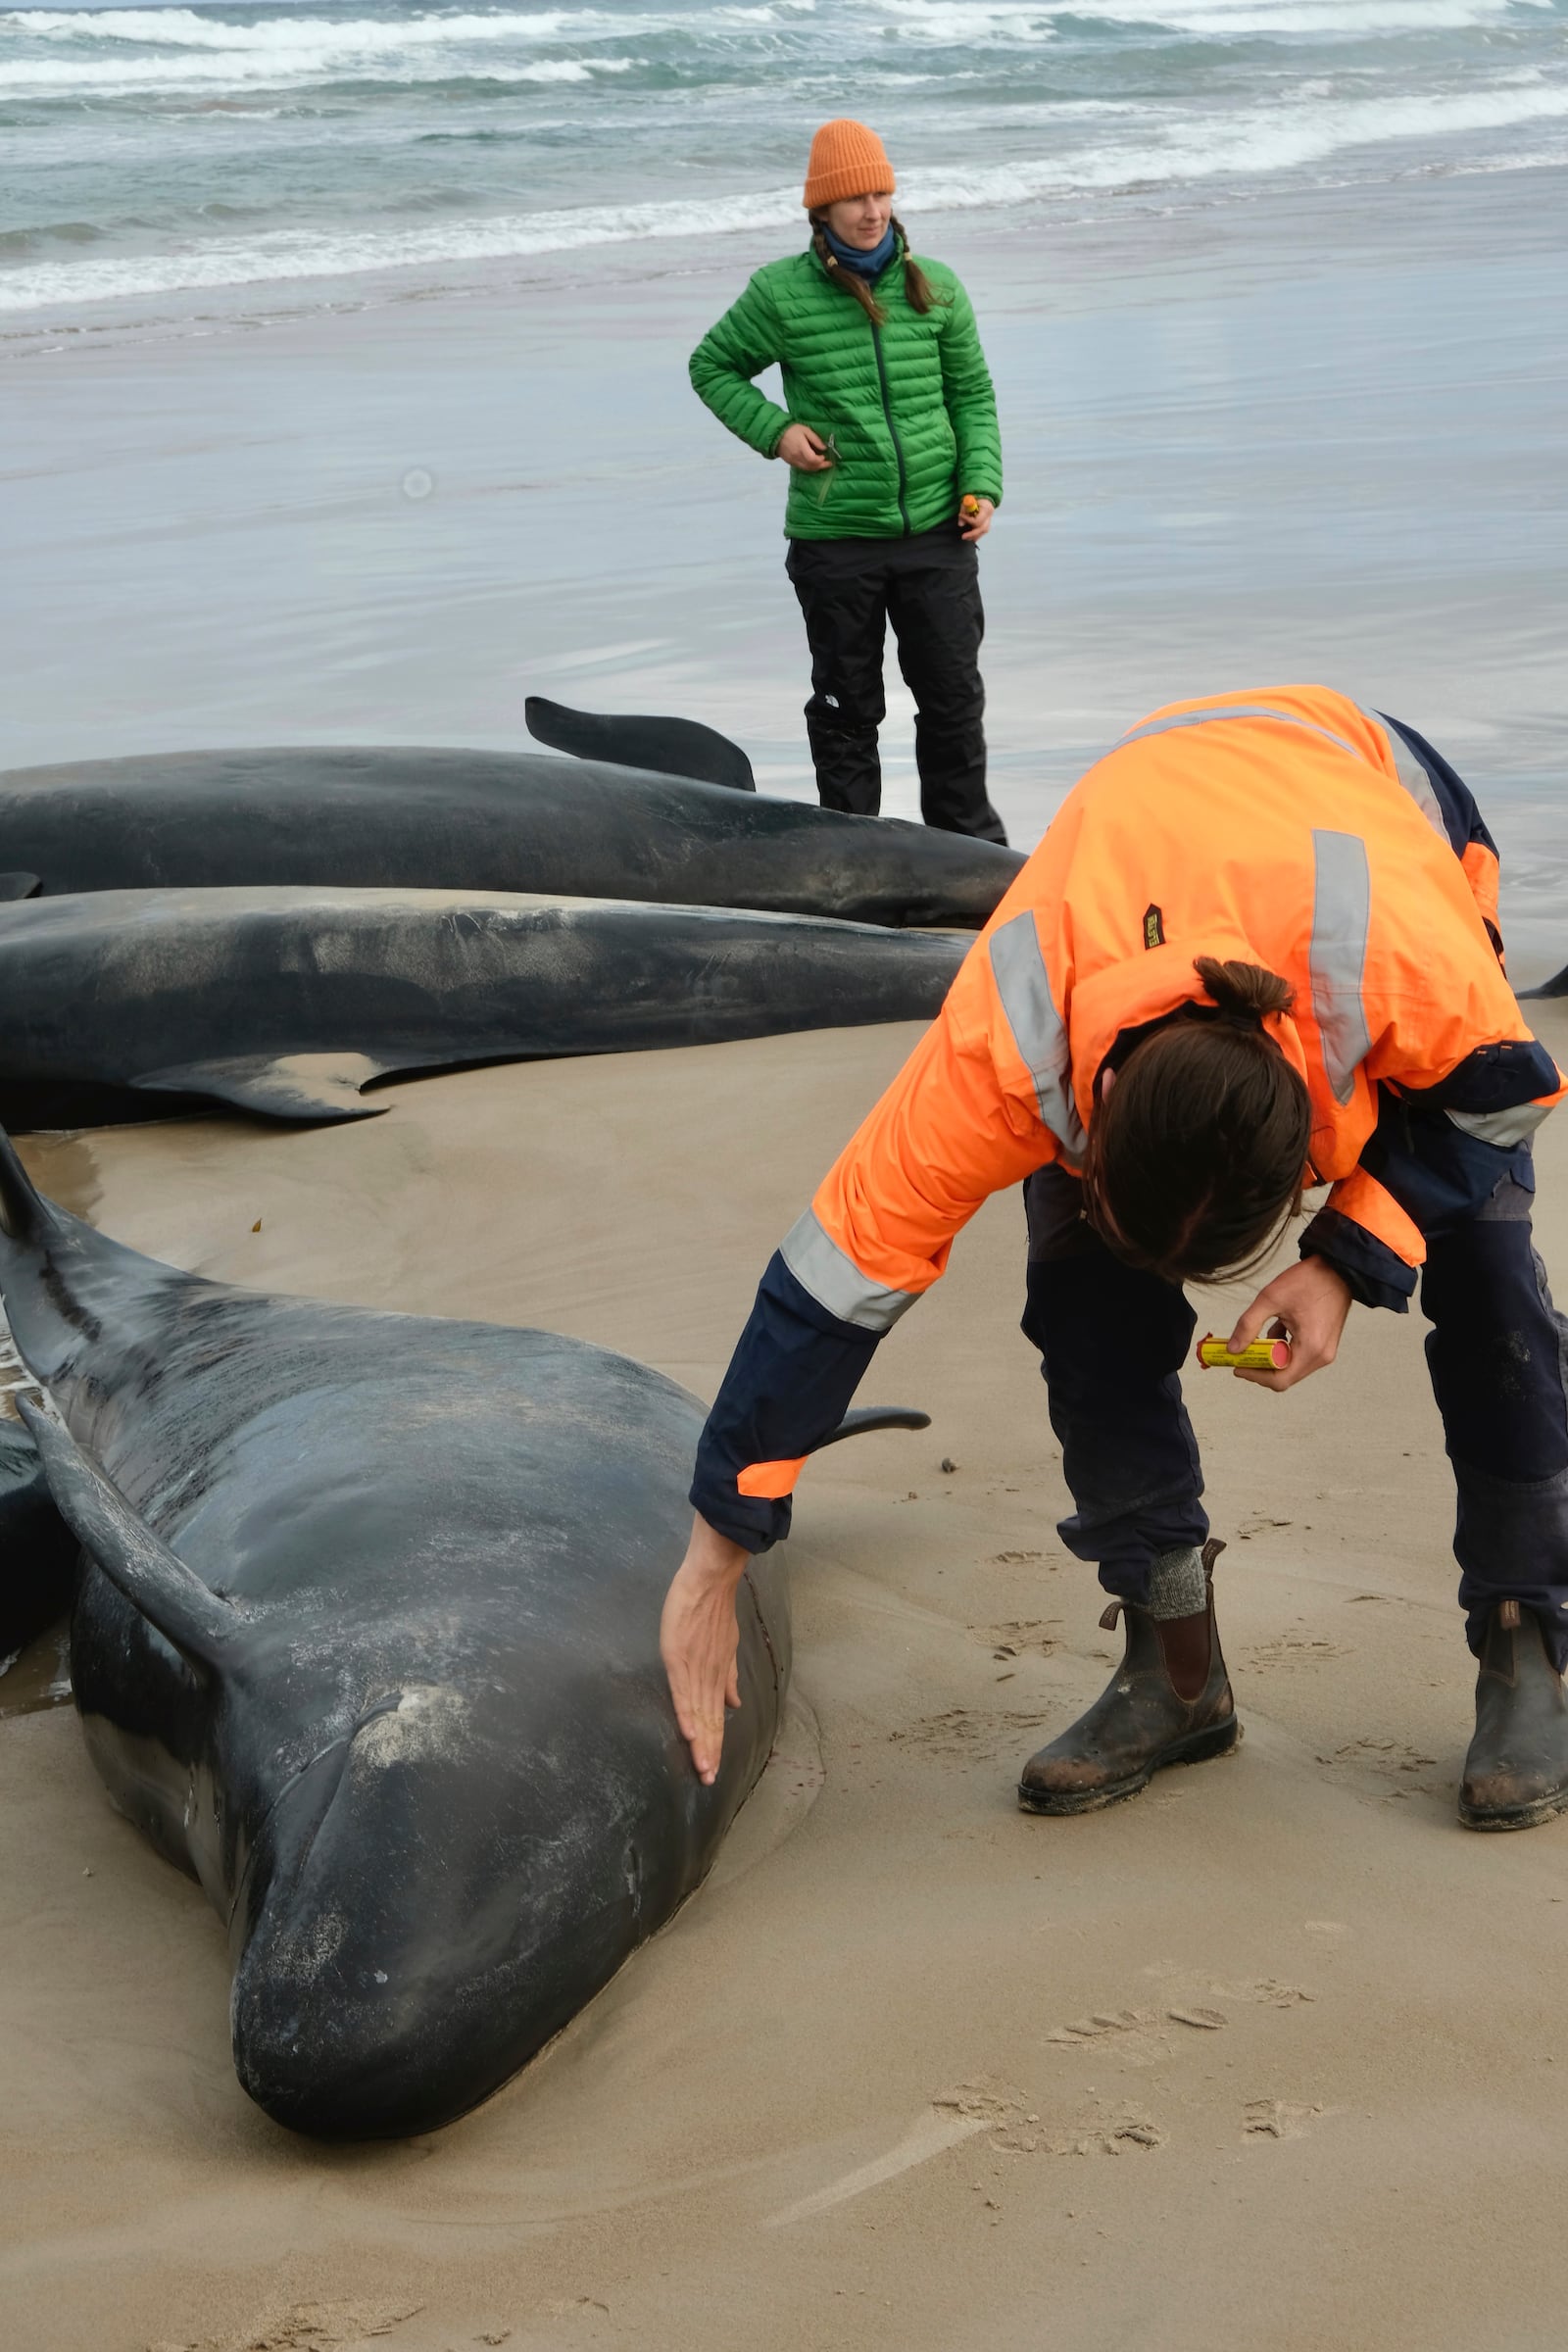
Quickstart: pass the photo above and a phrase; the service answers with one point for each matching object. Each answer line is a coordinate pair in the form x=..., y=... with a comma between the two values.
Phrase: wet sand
x=1313, y=433
x=1270, y=2054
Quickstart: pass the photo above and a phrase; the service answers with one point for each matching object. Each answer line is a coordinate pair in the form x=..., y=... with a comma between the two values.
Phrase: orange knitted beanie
x=846, y=160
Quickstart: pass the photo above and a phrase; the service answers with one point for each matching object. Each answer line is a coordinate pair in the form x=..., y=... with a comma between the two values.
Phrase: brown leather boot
x=1516, y=1772
x=1168, y=1702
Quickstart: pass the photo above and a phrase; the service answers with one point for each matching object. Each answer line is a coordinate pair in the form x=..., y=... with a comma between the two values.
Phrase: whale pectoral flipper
x=874, y=1417
x=24, y=1213
x=668, y=747
x=20, y=886
x=284, y=1086
x=153, y=1578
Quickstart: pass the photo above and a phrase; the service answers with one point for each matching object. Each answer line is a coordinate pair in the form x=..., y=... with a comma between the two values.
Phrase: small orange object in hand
x=1261, y=1355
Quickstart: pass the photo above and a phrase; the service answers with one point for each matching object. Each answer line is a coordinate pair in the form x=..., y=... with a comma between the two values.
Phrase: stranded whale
x=478, y=821
x=135, y=1004
x=367, y=1641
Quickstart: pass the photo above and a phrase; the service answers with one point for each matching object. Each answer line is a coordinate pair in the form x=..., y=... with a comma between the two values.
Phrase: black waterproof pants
x=1112, y=1341
x=929, y=588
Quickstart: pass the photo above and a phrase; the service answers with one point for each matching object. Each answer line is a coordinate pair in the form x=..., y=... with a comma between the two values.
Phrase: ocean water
x=166, y=150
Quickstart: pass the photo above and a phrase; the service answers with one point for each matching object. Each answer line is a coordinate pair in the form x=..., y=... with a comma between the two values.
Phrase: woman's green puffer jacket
x=910, y=404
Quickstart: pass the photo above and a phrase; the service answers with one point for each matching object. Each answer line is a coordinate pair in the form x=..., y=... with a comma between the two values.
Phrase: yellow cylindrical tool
x=1260, y=1355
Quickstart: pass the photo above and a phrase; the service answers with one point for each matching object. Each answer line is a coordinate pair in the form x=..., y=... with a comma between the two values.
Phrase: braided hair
x=1196, y=1157
x=922, y=295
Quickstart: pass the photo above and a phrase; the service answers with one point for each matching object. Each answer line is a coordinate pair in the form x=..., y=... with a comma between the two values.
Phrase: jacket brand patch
x=1153, y=927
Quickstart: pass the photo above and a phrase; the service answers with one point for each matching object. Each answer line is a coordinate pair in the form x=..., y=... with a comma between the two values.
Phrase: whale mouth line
x=387, y=1705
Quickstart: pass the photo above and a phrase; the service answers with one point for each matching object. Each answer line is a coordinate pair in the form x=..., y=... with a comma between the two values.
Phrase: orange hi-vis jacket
x=1285, y=827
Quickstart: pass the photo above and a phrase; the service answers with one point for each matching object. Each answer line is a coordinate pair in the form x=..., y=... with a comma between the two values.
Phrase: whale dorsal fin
x=20, y=886
x=280, y=1086
x=668, y=747
x=875, y=1416
x=171, y=1597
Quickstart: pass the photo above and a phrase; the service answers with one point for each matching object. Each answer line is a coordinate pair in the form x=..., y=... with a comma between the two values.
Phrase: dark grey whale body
x=37, y=1553
x=478, y=821
x=135, y=1003
x=367, y=1641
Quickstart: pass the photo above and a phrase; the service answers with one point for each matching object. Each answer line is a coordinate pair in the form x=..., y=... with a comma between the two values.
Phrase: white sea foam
x=183, y=28
x=1255, y=142
x=297, y=34
x=1345, y=19
x=358, y=51
x=409, y=129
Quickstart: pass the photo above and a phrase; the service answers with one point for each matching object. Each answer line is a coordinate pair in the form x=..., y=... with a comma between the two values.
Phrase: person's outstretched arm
x=962, y=1119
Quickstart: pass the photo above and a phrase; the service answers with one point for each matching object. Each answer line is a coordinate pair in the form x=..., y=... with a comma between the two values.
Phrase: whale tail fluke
x=155, y=1581
x=875, y=1416
x=668, y=747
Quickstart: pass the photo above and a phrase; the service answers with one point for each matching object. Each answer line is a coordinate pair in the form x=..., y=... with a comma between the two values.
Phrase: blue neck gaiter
x=864, y=264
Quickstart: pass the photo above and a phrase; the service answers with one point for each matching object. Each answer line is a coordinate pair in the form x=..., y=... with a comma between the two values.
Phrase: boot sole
x=1217, y=1741
x=1515, y=1817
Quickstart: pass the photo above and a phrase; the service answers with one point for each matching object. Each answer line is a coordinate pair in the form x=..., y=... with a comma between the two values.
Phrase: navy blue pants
x=1112, y=1341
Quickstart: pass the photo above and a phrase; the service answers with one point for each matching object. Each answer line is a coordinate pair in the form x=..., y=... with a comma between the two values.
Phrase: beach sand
x=1267, y=2056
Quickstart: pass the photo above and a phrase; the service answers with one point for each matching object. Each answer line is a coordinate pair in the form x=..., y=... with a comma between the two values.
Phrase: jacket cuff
x=795, y=1367
x=772, y=426
x=758, y=1526
x=1377, y=1275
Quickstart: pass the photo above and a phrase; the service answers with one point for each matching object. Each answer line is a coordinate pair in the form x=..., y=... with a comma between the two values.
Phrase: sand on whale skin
x=914, y=2070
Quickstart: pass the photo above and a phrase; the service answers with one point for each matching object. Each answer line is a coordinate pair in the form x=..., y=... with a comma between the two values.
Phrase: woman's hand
x=802, y=449
x=1307, y=1305
x=974, y=516
x=698, y=1641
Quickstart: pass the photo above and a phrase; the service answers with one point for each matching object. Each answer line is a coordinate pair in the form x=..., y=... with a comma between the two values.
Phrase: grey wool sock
x=1177, y=1585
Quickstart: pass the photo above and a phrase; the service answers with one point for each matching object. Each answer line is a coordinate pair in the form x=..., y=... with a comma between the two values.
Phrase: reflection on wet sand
x=65, y=1169
x=38, y=1677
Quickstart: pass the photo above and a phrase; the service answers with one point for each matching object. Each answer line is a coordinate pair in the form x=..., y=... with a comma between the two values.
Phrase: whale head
x=426, y=1902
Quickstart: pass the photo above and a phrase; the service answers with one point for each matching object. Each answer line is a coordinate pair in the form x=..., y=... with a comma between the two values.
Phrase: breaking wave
x=187, y=147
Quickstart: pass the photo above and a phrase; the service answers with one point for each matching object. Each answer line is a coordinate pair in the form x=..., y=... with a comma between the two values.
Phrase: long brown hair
x=1197, y=1156
x=917, y=286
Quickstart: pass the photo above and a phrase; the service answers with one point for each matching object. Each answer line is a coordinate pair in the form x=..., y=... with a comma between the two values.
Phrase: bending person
x=1255, y=952
x=889, y=433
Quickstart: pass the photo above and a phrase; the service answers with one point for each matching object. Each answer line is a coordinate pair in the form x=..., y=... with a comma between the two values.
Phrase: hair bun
x=1243, y=991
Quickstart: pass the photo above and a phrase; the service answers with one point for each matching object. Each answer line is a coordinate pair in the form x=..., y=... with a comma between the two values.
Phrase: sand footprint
x=1291, y=1650
x=1278, y=2118
x=965, y=1732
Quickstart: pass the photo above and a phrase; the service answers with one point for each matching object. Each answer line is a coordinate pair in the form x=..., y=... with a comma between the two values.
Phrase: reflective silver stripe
x=1411, y=774
x=1505, y=1128
x=1024, y=984
x=836, y=1282
x=1342, y=911
x=1201, y=718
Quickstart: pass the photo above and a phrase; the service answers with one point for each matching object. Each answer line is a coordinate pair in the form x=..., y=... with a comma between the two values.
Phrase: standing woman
x=889, y=435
